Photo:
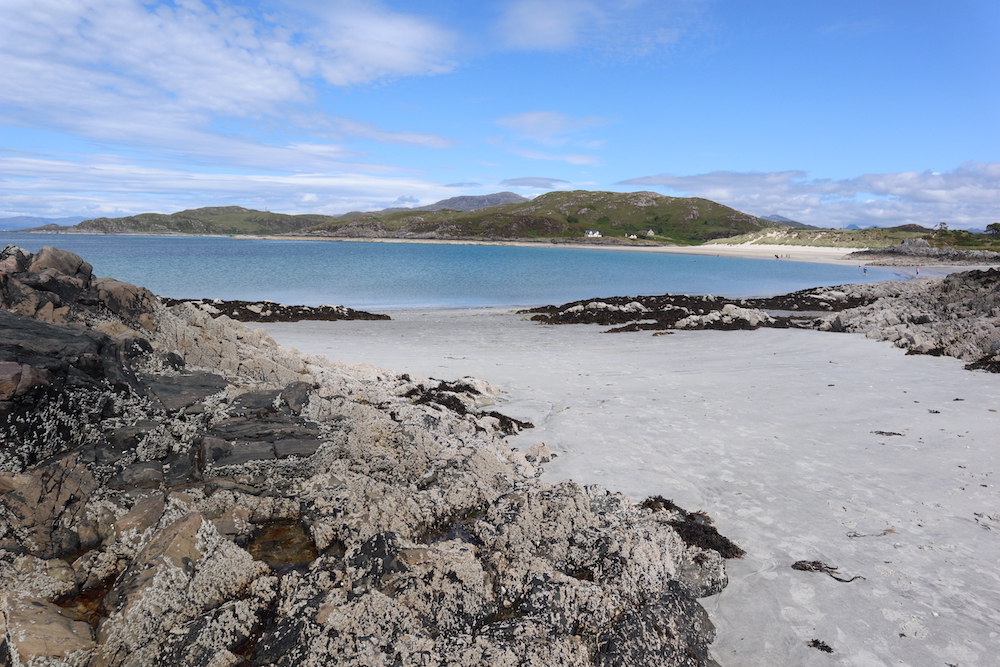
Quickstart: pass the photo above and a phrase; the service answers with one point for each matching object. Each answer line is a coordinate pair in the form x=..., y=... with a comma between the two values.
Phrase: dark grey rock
x=296, y=395
x=139, y=475
x=672, y=629
x=302, y=447
x=239, y=453
x=176, y=392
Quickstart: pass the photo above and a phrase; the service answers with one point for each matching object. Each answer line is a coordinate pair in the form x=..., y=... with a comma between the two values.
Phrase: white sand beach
x=801, y=253
x=801, y=445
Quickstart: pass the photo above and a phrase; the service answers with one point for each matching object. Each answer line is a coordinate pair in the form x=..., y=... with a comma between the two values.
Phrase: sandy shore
x=794, y=253
x=801, y=445
x=821, y=254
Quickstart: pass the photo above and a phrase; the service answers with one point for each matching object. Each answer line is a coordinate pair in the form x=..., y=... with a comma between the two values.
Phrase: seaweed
x=821, y=645
x=694, y=528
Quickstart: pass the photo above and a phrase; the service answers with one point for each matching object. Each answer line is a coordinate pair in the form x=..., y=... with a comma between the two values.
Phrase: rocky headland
x=917, y=252
x=957, y=315
x=176, y=489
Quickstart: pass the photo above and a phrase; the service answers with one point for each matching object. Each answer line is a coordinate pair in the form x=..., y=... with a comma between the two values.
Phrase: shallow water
x=404, y=276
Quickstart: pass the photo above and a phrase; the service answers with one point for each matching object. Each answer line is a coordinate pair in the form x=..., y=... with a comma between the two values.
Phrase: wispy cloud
x=570, y=158
x=112, y=186
x=535, y=182
x=545, y=24
x=634, y=27
x=965, y=197
x=363, y=41
x=164, y=75
x=549, y=128
x=849, y=29
x=355, y=128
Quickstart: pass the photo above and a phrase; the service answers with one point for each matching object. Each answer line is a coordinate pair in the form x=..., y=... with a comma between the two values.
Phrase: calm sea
x=397, y=276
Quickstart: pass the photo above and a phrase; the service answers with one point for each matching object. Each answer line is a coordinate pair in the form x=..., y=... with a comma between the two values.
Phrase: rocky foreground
x=175, y=489
x=956, y=315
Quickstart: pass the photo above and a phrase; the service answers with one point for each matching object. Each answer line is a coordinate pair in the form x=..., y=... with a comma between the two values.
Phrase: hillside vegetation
x=559, y=215
x=835, y=238
x=208, y=220
x=875, y=237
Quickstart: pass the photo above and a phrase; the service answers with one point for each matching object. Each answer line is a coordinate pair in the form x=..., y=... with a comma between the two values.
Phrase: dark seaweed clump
x=694, y=528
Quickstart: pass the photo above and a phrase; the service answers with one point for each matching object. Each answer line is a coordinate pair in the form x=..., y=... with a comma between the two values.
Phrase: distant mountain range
x=474, y=202
x=565, y=215
x=901, y=228
x=785, y=222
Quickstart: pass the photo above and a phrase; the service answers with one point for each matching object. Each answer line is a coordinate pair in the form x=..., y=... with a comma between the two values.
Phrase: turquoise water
x=397, y=276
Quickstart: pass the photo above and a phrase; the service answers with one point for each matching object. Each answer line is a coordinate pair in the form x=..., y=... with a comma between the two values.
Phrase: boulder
x=131, y=303
x=36, y=632
x=61, y=261
x=43, y=507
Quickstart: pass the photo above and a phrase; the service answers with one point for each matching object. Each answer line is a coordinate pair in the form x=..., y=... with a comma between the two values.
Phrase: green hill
x=208, y=220
x=559, y=215
x=562, y=215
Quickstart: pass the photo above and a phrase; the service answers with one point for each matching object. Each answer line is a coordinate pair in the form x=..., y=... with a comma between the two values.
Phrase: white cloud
x=109, y=185
x=535, y=182
x=360, y=42
x=966, y=197
x=168, y=76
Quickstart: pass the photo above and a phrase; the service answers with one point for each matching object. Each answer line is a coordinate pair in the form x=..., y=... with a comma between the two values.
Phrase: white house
x=592, y=234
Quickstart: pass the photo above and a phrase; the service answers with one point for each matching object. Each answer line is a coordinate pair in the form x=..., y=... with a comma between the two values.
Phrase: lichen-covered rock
x=36, y=632
x=956, y=315
x=179, y=490
x=41, y=508
x=131, y=303
x=730, y=316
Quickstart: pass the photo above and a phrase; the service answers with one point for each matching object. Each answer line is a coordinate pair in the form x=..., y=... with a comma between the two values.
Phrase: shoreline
x=817, y=254
x=778, y=252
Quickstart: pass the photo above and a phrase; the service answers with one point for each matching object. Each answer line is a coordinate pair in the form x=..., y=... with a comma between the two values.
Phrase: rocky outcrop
x=176, y=489
x=269, y=311
x=910, y=252
x=957, y=315
x=58, y=286
x=680, y=311
x=729, y=316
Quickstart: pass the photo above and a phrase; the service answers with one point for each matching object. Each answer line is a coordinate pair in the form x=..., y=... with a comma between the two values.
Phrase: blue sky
x=832, y=113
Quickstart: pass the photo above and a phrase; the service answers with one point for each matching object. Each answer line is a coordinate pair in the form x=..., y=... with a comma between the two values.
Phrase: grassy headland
x=637, y=218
